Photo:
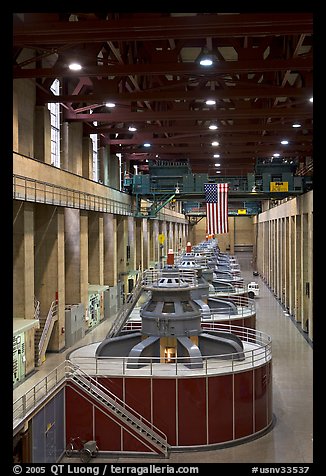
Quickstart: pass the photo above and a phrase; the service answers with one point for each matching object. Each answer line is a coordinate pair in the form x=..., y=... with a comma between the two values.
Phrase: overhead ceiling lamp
x=109, y=104
x=132, y=128
x=75, y=67
x=218, y=171
x=311, y=99
x=216, y=156
x=215, y=143
x=210, y=102
x=296, y=125
x=217, y=165
x=147, y=144
x=284, y=142
x=206, y=57
x=213, y=127
x=276, y=155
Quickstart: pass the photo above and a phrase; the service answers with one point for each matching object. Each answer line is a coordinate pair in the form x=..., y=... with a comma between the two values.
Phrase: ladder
x=126, y=309
x=143, y=429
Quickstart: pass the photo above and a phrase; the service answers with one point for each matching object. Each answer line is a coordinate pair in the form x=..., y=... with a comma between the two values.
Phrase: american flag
x=216, y=208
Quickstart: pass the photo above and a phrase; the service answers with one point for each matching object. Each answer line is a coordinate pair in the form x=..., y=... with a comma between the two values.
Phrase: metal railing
x=36, y=309
x=112, y=401
x=246, y=307
x=26, y=404
x=52, y=316
x=181, y=276
x=257, y=351
x=32, y=190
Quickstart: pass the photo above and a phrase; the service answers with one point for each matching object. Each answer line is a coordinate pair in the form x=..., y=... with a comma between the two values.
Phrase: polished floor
x=291, y=439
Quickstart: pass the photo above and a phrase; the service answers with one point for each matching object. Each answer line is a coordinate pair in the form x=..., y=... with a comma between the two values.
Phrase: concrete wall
x=284, y=256
x=240, y=233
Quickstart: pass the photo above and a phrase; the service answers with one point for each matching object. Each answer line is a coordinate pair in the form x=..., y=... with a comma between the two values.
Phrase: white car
x=253, y=289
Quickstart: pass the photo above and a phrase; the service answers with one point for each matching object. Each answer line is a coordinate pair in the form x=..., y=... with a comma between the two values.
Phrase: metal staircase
x=141, y=428
x=126, y=309
x=43, y=334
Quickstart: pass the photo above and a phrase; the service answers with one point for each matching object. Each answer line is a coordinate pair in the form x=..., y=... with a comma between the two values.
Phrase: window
x=54, y=109
x=95, y=154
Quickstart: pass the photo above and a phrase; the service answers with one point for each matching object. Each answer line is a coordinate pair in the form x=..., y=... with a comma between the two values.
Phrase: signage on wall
x=161, y=238
x=242, y=211
x=279, y=186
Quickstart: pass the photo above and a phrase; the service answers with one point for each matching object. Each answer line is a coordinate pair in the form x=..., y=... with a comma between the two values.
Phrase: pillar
x=75, y=149
x=49, y=267
x=95, y=248
x=139, y=258
x=23, y=272
x=110, y=249
x=42, y=134
x=15, y=143
x=103, y=173
x=84, y=258
x=146, y=248
x=114, y=171
x=87, y=158
x=72, y=256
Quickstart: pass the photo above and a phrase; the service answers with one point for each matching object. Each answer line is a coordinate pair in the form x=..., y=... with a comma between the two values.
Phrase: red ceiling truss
x=146, y=63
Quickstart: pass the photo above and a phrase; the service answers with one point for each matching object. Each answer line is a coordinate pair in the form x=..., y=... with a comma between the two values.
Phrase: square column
x=110, y=249
x=87, y=158
x=23, y=273
x=49, y=267
x=145, y=243
x=42, y=134
x=95, y=248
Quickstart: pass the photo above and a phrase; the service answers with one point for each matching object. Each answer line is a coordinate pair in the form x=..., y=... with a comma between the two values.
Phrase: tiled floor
x=291, y=439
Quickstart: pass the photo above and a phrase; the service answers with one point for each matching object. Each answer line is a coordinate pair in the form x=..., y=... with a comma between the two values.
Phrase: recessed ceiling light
x=132, y=128
x=206, y=62
x=110, y=104
x=276, y=155
x=296, y=125
x=216, y=156
x=217, y=165
x=147, y=144
x=311, y=99
x=284, y=142
x=218, y=171
x=215, y=143
x=213, y=127
x=210, y=102
x=75, y=67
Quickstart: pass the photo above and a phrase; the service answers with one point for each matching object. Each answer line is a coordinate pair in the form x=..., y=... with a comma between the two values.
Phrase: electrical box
x=74, y=323
x=19, y=357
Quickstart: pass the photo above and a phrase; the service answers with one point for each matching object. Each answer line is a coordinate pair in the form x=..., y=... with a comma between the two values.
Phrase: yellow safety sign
x=161, y=239
x=279, y=186
x=242, y=211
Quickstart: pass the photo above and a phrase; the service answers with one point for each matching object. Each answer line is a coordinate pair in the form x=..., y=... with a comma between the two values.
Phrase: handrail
x=182, y=276
x=75, y=370
x=53, y=312
x=27, y=403
x=125, y=311
x=34, y=190
x=213, y=365
x=36, y=309
x=257, y=352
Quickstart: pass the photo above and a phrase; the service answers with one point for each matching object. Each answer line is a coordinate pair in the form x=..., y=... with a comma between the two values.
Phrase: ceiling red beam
x=246, y=149
x=208, y=25
x=188, y=115
x=222, y=67
x=259, y=91
x=207, y=140
x=196, y=129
